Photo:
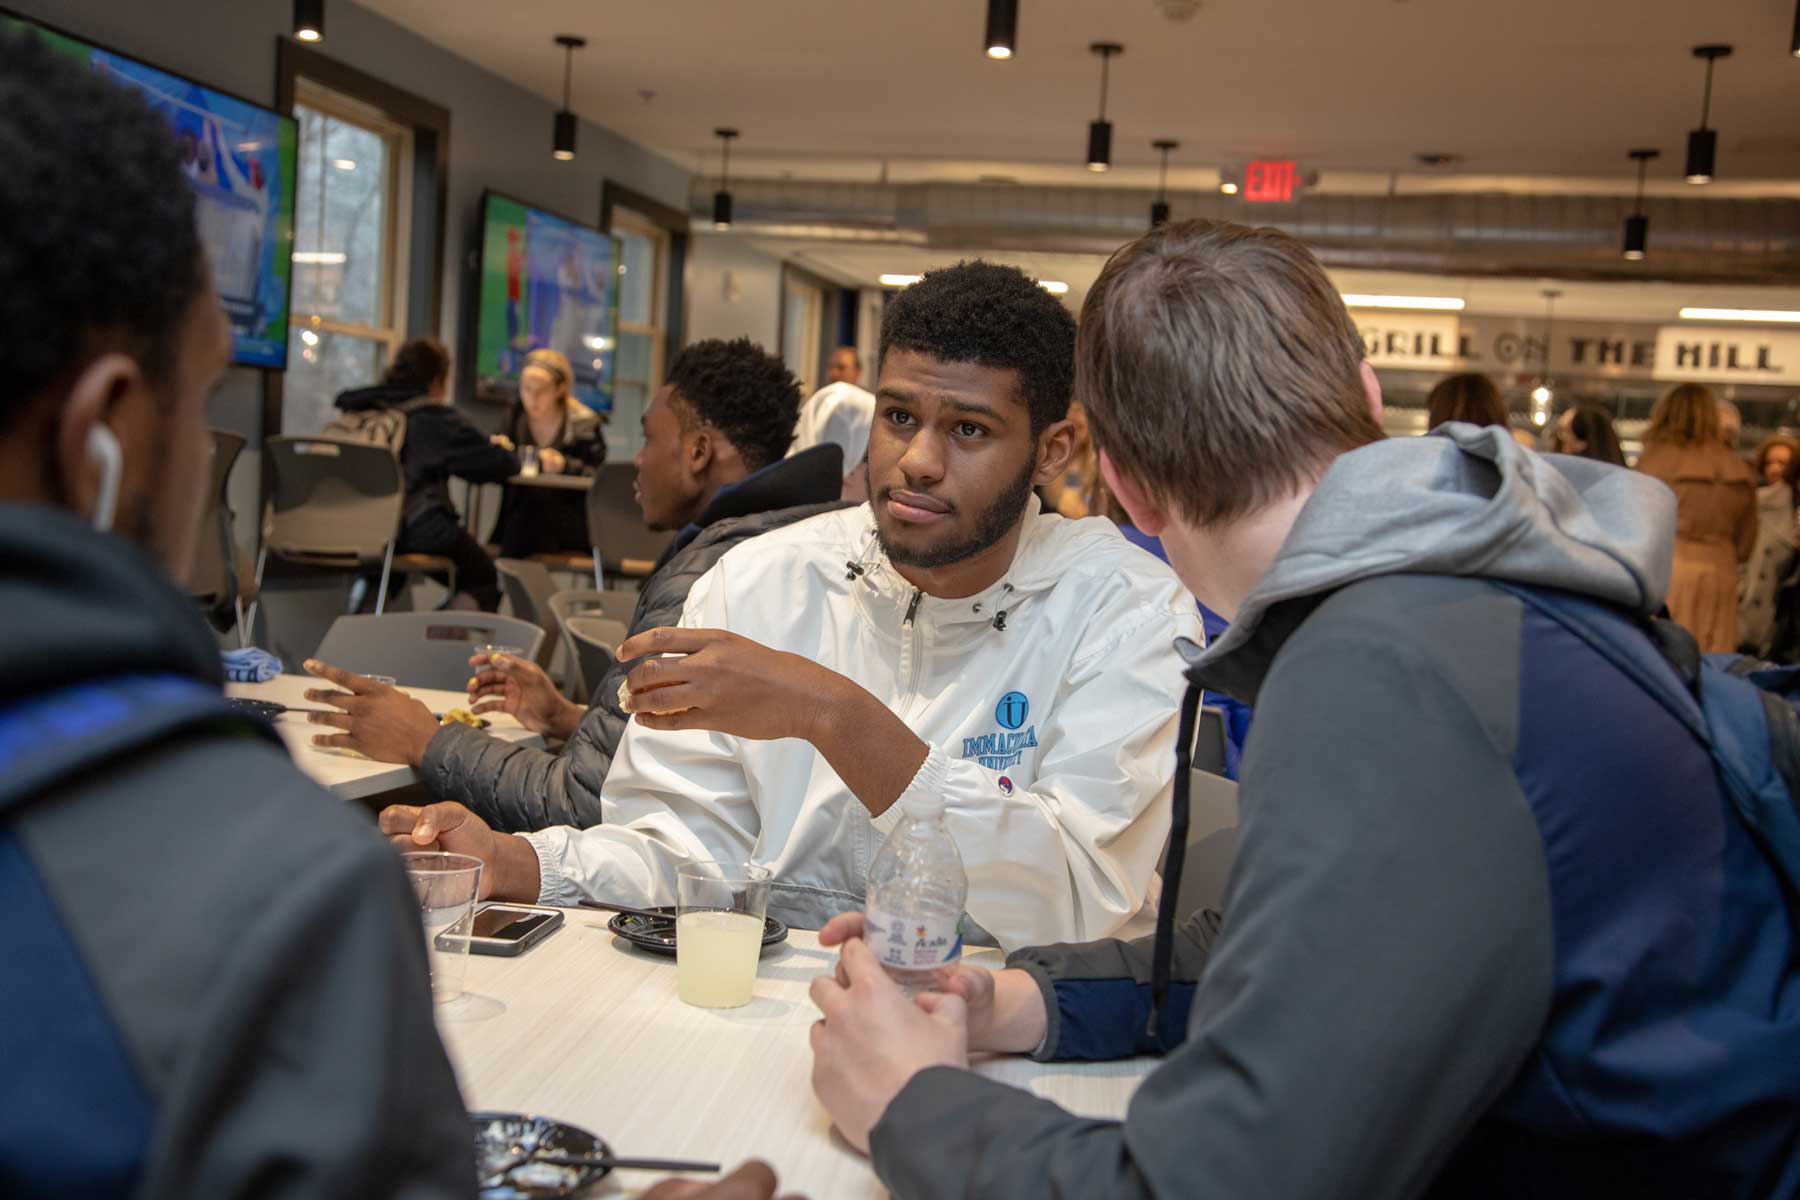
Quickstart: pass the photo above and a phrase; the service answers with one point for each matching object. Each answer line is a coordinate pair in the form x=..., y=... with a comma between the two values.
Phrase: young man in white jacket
x=947, y=638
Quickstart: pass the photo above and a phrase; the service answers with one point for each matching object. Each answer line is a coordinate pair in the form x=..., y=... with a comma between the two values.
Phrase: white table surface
x=349, y=776
x=584, y=1030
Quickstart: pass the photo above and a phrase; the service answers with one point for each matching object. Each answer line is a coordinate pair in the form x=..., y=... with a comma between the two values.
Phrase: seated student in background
x=196, y=935
x=1470, y=398
x=710, y=469
x=439, y=442
x=566, y=437
x=1495, y=928
x=948, y=639
x=839, y=414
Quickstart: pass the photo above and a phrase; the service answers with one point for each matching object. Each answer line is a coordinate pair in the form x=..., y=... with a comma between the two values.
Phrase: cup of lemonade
x=719, y=931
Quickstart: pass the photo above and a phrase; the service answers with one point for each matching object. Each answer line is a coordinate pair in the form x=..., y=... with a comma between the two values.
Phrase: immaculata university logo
x=1004, y=747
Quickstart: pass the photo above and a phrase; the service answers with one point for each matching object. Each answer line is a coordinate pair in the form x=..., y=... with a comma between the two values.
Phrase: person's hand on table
x=752, y=1181
x=1003, y=1010
x=501, y=440
x=378, y=719
x=873, y=1040
x=727, y=684
x=510, y=684
x=509, y=864
x=551, y=461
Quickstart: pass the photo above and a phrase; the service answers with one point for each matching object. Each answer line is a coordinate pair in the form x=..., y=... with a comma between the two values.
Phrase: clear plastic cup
x=446, y=886
x=528, y=461
x=719, y=931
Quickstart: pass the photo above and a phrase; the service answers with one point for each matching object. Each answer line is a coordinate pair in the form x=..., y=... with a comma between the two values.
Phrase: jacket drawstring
x=1172, y=864
x=1000, y=616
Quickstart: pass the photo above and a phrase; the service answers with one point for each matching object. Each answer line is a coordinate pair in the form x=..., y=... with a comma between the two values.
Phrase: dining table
x=588, y=1030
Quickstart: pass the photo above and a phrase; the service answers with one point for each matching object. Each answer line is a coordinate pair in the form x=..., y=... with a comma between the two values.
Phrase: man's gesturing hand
x=728, y=684
x=378, y=719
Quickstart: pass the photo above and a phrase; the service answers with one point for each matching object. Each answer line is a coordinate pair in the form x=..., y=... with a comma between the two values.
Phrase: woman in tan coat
x=1715, y=512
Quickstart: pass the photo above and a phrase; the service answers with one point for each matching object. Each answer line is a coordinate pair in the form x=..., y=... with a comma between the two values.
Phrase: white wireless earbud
x=103, y=452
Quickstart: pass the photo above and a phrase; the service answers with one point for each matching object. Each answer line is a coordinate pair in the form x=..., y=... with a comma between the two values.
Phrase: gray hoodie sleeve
x=1382, y=974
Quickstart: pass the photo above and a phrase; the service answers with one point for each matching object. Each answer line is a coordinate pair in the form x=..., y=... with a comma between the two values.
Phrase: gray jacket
x=252, y=944
x=1385, y=972
x=521, y=788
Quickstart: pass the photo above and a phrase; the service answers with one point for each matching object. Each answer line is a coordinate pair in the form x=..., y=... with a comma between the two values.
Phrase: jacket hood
x=90, y=606
x=810, y=477
x=382, y=395
x=1463, y=500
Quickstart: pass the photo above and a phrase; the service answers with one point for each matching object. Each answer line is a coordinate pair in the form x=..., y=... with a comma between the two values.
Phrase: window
x=802, y=330
x=350, y=267
x=643, y=301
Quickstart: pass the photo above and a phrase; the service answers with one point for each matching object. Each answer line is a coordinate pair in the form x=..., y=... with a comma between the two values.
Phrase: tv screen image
x=239, y=159
x=546, y=282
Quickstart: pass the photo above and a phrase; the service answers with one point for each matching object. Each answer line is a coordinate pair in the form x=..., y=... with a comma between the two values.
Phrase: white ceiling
x=863, y=265
x=1527, y=87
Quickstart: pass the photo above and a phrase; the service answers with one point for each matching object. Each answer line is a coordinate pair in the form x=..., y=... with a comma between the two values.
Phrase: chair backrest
x=615, y=522
x=1211, y=842
x=617, y=605
x=1209, y=741
x=213, y=577
x=594, y=638
x=528, y=587
x=331, y=497
x=429, y=650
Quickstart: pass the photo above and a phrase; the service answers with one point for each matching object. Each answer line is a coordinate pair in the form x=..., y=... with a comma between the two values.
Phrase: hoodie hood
x=382, y=395
x=90, y=606
x=1463, y=500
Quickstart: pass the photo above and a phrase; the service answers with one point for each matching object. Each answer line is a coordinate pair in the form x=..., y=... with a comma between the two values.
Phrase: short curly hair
x=741, y=390
x=993, y=316
x=100, y=239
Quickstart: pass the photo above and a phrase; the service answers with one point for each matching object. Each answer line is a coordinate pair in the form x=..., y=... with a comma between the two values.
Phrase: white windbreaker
x=1049, y=702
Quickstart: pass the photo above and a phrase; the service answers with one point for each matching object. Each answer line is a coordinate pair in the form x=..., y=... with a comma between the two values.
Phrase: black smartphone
x=511, y=929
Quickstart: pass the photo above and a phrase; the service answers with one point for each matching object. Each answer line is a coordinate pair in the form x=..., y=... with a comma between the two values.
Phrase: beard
x=992, y=523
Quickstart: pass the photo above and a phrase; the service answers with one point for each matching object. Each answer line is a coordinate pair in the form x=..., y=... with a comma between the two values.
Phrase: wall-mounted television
x=546, y=281
x=240, y=159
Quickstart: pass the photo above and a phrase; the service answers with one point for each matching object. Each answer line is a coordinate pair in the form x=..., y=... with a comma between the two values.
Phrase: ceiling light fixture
x=562, y=139
x=1002, y=28
x=1228, y=187
x=1364, y=300
x=1099, y=152
x=1703, y=143
x=900, y=280
x=320, y=258
x=722, y=197
x=1796, y=42
x=309, y=20
x=1637, y=225
x=1159, y=212
x=344, y=164
x=1762, y=315
x=1055, y=287
x=1545, y=392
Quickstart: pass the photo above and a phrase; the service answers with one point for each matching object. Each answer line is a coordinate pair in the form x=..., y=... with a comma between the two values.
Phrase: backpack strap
x=47, y=738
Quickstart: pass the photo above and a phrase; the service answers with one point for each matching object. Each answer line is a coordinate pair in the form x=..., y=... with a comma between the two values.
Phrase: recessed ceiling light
x=344, y=164
x=1229, y=188
x=1739, y=314
x=320, y=258
x=1364, y=300
x=900, y=280
x=1055, y=287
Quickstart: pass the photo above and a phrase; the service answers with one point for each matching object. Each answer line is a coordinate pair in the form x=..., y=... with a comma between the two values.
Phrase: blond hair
x=1687, y=415
x=1220, y=368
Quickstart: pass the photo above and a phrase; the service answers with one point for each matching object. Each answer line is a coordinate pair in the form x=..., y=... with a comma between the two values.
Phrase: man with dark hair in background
x=946, y=639
x=844, y=366
x=711, y=468
x=215, y=972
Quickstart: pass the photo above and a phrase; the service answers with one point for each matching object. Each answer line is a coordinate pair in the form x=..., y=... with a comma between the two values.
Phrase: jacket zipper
x=909, y=653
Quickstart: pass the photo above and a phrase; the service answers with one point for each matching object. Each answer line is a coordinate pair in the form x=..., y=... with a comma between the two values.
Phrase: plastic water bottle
x=914, y=912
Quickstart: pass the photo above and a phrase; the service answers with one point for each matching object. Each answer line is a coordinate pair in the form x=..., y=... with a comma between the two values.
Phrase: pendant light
x=309, y=20
x=1099, y=154
x=1159, y=212
x=1544, y=393
x=1795, y=46
x=562, y=139
x=1002, y=28
x=722, y=197
x=1703, y=142
x=1637, y=225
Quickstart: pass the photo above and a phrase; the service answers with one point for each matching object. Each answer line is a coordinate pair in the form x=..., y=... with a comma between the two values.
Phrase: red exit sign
x=1268, y=180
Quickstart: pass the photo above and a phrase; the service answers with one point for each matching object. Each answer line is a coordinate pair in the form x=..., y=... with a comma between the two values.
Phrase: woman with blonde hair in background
x=565, y=439
x=1715, y=515
x=1773, y=554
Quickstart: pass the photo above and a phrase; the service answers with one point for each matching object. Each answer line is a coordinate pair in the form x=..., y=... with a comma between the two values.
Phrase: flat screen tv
x=240, y=159
x=546, y=281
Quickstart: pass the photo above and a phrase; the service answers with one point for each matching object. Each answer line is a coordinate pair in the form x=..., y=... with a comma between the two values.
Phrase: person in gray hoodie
x=1495, y=927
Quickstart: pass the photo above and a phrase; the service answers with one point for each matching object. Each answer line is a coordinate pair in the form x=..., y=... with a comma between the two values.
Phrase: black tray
x=500, y=1136
x=657, y=934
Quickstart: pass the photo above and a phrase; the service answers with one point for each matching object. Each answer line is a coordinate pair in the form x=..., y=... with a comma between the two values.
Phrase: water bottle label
x=913, y=944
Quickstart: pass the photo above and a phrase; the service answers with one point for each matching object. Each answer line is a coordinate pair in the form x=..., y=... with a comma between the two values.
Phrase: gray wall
x=733, y=290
